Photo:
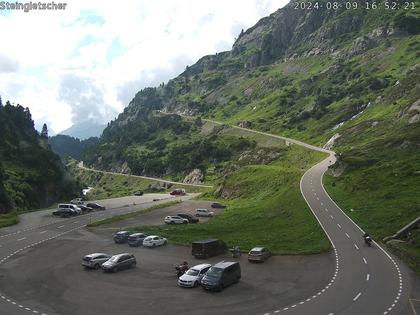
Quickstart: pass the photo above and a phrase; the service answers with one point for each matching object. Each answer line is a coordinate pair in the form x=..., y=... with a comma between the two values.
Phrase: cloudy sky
x=89, y=60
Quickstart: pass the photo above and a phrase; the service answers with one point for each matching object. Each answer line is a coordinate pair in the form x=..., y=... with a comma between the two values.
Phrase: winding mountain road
x=366, y=280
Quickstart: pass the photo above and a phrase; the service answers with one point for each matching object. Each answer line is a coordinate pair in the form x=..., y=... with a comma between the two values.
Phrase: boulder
x=195, y=177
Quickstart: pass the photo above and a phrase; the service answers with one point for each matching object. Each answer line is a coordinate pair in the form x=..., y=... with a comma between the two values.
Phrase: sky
x=89, y=60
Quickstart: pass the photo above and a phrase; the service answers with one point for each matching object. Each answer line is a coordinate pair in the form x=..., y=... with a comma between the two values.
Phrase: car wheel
x=133, y=265
x=97, y=266
x=153, y=245
x=195, y=284
x=184, y=222
x=165, y=242
x=115, y=269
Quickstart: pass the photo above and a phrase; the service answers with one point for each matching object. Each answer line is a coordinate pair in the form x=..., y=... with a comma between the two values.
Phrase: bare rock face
x=195, y=177
x=125, y=169
x=262, y=156
x=245, y=124
x=330, y=143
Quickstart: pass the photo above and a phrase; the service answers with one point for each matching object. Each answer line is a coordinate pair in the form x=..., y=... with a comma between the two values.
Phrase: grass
x=133, y=214
x=264, y=209
x=8, y=219
x=113, y=186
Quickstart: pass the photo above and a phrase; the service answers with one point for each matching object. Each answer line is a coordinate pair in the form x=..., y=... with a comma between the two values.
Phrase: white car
x=203, y=213
x=174, y=219
x=153, y=241
x=193, y=276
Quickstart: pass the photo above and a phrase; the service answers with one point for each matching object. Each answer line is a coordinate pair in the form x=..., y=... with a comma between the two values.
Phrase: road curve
x=366, y=280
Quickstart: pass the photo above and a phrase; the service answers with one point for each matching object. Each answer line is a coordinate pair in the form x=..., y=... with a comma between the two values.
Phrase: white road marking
x=348, y=236
x=367, y=277
x=339, y=225
x=21, y=239
x=75, y=222
x=357, y=247
x=357, y=296
x=332, y=217
x=42, y=232
x=364, y=260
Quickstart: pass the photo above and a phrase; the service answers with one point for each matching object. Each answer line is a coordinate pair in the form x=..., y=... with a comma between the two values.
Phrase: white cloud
x=111, y=48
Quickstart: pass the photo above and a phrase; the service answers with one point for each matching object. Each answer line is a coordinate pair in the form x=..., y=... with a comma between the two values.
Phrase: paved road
x=80, y=165
x=365, y=280
x=42, y=227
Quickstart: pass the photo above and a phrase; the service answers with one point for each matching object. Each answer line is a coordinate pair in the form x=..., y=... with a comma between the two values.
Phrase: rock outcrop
x=195, y=177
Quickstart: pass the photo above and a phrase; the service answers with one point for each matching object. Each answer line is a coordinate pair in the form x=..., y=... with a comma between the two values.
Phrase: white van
x=75, y=208
x=203, y=213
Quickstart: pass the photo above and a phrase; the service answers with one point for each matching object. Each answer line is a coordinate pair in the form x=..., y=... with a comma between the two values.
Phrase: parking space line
x=357, y=296
x=21, y=239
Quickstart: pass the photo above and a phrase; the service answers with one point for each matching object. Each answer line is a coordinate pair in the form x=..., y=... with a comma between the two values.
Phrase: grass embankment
x=133, y=214
x=112, y=186
x=382, y=197
x=265, y=209
x=8, y=219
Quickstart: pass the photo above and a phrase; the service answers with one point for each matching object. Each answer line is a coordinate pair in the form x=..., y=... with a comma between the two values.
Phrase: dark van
x=208, y=248
x=221, y=275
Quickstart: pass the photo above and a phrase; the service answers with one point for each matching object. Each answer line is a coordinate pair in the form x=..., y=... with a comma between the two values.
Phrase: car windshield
x=192, y=272
x=114, y=258
x=214, y=272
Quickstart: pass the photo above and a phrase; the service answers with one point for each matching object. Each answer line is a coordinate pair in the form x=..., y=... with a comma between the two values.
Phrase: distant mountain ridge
x=84, y=130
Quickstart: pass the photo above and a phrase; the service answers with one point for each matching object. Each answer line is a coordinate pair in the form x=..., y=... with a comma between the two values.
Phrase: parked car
x=77, y=201
x=136, y=239
x=64, y=213
x=189, y=217
x=74, y=208
x=95, y=260
x=119, y=262
x=178, y=192
x=217, y=205
x=138, y=193
x=258, y=254
x=203, y=213
x=95, y=206
x=153, y=241
x=85, y=208
x=193, y=276
x=121, y=237
x=221, y=275
x=208, y=248
x=173, y=219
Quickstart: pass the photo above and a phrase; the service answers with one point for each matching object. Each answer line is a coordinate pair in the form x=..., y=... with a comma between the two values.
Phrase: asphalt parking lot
x=51, y=275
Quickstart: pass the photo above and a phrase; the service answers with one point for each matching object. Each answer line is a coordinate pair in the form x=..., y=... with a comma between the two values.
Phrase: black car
x=85, y=208
x=189, y=217
x=138, y=193
x=119, y=262
x=217, y=205
x=136, y=239
x=95, y=206
x=64, y=212
x=121, y=237
x=208, y=248
x=221, y=275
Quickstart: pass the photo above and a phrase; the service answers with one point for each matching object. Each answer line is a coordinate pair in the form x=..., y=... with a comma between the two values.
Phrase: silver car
x=95, y=260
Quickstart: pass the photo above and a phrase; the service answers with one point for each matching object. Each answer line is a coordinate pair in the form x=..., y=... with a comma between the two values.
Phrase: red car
x=178, y=192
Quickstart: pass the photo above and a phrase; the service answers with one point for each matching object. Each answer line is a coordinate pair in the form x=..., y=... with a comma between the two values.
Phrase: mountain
x=347, y=79
x=66, y=146
x=31, y=175
x=84, y=130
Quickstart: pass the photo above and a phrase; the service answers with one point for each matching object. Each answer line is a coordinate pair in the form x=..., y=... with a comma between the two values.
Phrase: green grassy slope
x=264, y=209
